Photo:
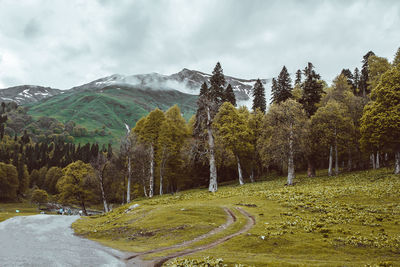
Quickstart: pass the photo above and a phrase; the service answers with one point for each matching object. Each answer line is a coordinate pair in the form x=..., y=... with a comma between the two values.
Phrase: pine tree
x=284, y=84
x=274, y=90
x=298, y=77
x=364, y=74
x=356, y=81
x=350, y=78
x=230, y=95
x=312, y=90
x=259, y=96
x=396, y=60
x=217, y=84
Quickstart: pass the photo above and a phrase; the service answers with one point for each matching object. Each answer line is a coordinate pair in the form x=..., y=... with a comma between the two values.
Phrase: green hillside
x=110, y=108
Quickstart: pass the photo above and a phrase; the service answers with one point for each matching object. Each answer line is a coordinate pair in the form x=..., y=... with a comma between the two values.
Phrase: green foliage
x=230, y=95
x=232, y=129
x=259, y=101
x=217, y=84
x=396, y=60
x=312, y=90
x=8, y=182
x=76, y=185
x=39, y=197
x=380, y=121
x=52, y=176
x=283, y=88
x=376, y=67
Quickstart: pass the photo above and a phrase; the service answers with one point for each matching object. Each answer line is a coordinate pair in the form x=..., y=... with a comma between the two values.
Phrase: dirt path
x=134, y=260
x=231, y=218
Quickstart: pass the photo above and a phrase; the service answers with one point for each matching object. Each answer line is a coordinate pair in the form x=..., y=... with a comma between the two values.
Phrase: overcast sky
x=67, y=43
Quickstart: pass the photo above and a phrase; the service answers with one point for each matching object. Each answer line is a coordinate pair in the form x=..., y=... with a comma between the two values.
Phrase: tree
x=126, y=146
x=332, y=125
x=376, y=67
x=282, y=139
x=172, y=137
x=259, y=96
x=8, y=181
x=208, y=105
x=233, y=131
x=149, y=134
x=76, y=185
x=396, y=60
x=312, y=90
x=217, y=84
x=99, y=164
x=350, y=78
x=356, y=81
x=256, y=126
x=39, y=197
x=230, y=95
x=274, y=90
x=380, y=121
x=284, y=86
x=52, y=176
x=297, y=81
x=365, y=74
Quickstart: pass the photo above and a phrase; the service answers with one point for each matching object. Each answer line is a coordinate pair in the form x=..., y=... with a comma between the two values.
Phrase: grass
x=352, y=219
x=7, y=210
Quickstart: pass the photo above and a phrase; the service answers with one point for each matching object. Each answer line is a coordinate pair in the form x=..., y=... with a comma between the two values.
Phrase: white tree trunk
x=241, y=182
x=151, y=179
x=144, y=191
x=397, y=162
x=290, y=175
x=336, y=158
x=128, y=189
x=372, y=158
x=213, y=186
x=103, y=196
x=349, y=163
x=330, y=161
x=252, y=175
x=377, y=164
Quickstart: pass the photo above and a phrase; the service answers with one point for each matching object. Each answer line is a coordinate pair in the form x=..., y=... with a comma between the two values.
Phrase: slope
x=347, y=220
x=107, y=109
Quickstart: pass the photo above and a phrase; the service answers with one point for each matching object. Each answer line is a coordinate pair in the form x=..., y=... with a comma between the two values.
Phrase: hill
x=348, y=220
x=25, y=94
x=107, y=109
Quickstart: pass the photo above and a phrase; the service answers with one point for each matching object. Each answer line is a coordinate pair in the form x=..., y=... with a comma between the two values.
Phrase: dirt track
x=134, y=260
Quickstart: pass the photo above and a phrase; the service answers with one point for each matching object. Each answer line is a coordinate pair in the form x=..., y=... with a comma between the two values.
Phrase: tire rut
x=135, y=260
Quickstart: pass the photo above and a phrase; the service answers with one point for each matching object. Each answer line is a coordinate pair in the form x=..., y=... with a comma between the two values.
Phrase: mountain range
x=110, y=102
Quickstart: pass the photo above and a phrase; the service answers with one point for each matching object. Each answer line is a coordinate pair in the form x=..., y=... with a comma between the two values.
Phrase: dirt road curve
x=48, y=240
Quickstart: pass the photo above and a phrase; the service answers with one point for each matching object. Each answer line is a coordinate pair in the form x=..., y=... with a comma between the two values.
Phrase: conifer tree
x=364, y=74
x=208, y=105
x=274, y=90
x=396, y=60
x=230, y=95
x=298, y=77
x=284, y=84
x=312, y=90
x=259, y=97
x=356, y=81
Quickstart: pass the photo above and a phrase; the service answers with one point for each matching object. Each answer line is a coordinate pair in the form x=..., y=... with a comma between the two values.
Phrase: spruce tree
x=298, y=77
x=217, y=84
x=284, y=84
x=364, y=74
x=230, y=95
x=396, y=60
x=312, y=90
x=274, y=90
x=259, y=96
x=356, y=81
x=350, y=78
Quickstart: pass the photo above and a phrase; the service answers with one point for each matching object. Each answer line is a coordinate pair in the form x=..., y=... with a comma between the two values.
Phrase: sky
x=66, y=43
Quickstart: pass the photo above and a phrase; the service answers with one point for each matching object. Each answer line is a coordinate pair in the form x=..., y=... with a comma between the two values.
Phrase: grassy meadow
x=349, y=220
x=7, y=210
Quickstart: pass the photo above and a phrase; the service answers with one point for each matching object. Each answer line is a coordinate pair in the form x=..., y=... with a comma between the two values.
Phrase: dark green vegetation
x=351, y=219
x=109, y=108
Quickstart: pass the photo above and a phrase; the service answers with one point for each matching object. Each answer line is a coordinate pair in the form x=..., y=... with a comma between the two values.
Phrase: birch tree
x=282, y=139
x=99, y=164
x=233, y=131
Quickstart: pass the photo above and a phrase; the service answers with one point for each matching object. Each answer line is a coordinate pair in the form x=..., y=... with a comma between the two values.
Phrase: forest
x=352, y=124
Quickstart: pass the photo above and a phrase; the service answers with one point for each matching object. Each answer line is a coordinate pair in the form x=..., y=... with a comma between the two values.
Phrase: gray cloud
x=67, y=43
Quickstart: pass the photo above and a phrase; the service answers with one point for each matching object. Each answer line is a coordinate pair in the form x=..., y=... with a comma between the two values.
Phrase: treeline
x=354, y=124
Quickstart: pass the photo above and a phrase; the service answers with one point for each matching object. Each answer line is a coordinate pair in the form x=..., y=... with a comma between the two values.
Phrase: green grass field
x=349, y=220
x=7, y=210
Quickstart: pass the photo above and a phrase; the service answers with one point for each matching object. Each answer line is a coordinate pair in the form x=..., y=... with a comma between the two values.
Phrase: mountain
x=107, y=109
x=187, y=81
x=25, y=94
